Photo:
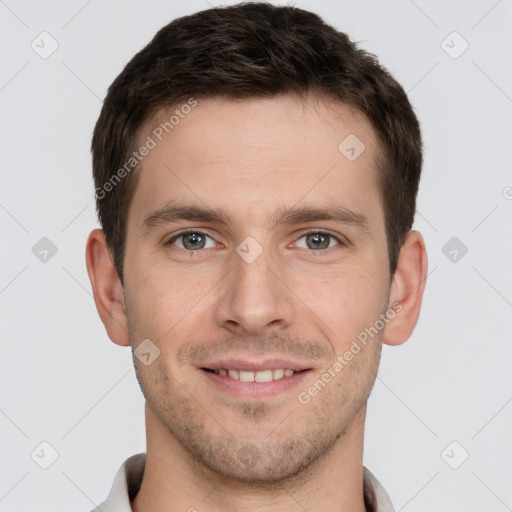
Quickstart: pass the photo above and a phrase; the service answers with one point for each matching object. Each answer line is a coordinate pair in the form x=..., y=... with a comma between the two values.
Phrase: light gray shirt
x=128, y=480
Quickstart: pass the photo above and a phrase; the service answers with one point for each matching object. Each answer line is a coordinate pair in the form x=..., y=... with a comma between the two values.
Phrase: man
x=256, y=176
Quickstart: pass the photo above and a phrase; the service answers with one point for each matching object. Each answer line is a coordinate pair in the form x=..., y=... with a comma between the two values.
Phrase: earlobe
x=106, y=288
x=407, y=289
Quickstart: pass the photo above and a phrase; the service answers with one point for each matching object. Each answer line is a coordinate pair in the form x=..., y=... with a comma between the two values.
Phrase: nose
x=254, y=299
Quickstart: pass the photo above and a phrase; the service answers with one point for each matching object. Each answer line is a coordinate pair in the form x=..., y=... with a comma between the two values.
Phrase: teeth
x=246, y=376
x=278, y=374
x=261, y=376
x=264, y=376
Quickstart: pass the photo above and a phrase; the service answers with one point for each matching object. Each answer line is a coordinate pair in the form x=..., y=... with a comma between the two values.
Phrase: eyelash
x=303, y=234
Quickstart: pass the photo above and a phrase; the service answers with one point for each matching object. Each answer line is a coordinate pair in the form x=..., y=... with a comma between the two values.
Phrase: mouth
x=259, y=376
x=255, y=380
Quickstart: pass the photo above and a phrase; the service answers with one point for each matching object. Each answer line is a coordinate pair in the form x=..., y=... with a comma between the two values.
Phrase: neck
x=174, y=480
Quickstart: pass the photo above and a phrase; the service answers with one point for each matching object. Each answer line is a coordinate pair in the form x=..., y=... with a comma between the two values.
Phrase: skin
x=207, y=448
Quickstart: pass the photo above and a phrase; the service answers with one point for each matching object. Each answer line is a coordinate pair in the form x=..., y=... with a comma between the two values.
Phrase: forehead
x=250, y=155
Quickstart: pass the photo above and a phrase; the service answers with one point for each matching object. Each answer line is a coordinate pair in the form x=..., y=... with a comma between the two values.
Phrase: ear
x=407, y=289
x=106, y=288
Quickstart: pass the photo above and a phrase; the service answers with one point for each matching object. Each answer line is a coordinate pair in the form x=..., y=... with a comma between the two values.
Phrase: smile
x=256, y=381
x=259, y=376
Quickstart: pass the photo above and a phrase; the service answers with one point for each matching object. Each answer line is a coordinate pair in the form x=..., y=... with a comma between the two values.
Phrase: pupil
x=194, y=239
x=319, y=240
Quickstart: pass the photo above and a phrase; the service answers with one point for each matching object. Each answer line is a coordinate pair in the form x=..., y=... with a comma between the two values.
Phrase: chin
x=263, y=464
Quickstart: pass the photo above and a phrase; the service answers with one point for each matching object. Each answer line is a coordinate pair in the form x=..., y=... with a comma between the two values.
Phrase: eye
x=318, y=240
x=191, y=240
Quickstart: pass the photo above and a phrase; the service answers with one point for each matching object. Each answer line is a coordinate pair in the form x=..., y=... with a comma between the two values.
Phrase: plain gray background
x=444, y=395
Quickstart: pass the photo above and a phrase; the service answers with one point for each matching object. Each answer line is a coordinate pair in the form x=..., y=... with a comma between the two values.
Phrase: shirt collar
x=128, y=480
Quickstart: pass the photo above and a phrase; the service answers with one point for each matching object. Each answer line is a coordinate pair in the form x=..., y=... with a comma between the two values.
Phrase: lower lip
x=256, y=389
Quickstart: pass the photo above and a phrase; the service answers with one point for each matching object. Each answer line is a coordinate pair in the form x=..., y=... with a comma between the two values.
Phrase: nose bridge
x=254, y=298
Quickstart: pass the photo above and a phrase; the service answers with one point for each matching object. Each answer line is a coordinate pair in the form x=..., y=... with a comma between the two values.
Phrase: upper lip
x=253, y=365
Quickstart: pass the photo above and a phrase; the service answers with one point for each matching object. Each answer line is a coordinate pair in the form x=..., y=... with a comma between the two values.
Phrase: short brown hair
x=253, y=50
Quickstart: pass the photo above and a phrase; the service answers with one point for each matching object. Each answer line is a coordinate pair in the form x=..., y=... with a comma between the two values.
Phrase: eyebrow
x=173, y=212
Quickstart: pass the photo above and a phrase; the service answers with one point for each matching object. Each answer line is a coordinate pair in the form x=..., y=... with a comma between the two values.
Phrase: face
x=255, y=255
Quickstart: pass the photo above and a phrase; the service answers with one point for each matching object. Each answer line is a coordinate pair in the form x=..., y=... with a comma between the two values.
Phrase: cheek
x=348, y=301
x=163, y=299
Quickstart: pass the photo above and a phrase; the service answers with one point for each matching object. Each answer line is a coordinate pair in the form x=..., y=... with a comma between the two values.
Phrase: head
x=294, y=160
